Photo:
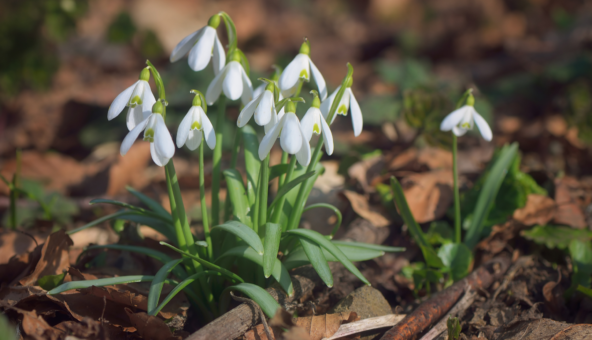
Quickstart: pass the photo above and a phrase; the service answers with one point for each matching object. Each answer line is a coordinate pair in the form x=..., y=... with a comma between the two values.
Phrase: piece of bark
x=464, y=303
x=433, y=309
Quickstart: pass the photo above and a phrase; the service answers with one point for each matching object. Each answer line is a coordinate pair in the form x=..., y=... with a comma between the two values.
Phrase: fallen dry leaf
x=361, y=207
x=324, y=326
x=365, y=171
x=567, y=190
x=17, y=243
x=539, y=209
x=553, y=295
x=428, y=194
x=54, y=258
x=150, y=327
x=575, y=332
x=37, y=328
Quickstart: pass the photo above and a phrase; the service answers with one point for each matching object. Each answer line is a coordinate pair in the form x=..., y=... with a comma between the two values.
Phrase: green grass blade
x=98, y=221
x=277, y=170
x=287, y=187
x=273, y=234
x=152, y=204
x=324, y=243
x=315, y=256
x=238, y=195
x=298, y=258
x=487, y=195
x=428, y=251
x=279, y=273
x=158, y=282
x=131, y=207
x=255, y=293
x=252, y=162
x=387, y=249
x=244, y=232
x=100, y=282
x=165, y=228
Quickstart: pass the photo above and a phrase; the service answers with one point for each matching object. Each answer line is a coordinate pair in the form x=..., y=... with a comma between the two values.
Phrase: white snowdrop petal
x=215, y=87
x=247, y=112
x=483, y=126
x=264, y=110
x=356, y=114
x=232, y=84
x=308, y=121
x=327, y=137
x=201, y=53
x=131, y=136
x=194, y=139
x=291, y=137
x=458, y=131
x=247, y=94
x=184, y=127
x=453, y=119
x=259, y=90
x=158, y=159
x=291, y=75
x=274, y=119
x=162, y=138
x=185, y=45
x=326, y=104
x=219, y=59
x=120, y=102
x=319, y=80
x=269, y=139
x=148, y=99
x=208, y=129
x=134, y=116
x=303, y=155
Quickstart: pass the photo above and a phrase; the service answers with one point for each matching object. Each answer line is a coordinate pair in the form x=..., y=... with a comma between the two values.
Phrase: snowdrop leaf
x=244, y=232
x=238, y=195
x=267, y=303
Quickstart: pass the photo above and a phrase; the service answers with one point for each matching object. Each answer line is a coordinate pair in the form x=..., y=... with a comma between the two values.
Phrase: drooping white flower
x=191, y=127
x=347, y=104
x=138, y=98
x=299, y=70
x=292, y=138
x=202, y=45
x=155, y=131
x=233, y=80
x=263, y=106
x=463, y=119
x=313, y=122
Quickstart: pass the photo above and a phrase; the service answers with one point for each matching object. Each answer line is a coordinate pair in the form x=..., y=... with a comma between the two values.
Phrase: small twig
x=511, y=273
x=346, y=329
x=464, y=303
x=257, y=308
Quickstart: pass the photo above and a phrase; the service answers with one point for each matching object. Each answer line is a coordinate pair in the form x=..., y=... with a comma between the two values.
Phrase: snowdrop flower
x=162, y=147
x=263, y=106
x=191, y=127
x=299, y=70
x=462, y=120
x=348, y=103
x=292, y=138
x=314, y=122
x=233, y=80
x=138, y=98
x=201, y=45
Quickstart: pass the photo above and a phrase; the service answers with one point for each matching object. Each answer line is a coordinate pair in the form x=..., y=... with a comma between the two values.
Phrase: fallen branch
x=464, y=303
x=433, y=309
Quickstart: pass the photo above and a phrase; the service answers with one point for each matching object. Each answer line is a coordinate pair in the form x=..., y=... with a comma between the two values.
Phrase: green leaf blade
x=100, y=283
x=238, y=195
x=315, y=256
x=273, y=234
x=157, y=284
x=244, y=232
x=267, y=303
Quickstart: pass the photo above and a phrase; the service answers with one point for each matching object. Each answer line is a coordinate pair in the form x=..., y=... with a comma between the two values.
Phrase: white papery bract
x=313, y=122
x=292, y=139
x=191, y=127
x=235, y=83
x=202, y=45
x=300, y=70
x=139, y=100
x=463, y=119
x=155, y=131
x=347, y=104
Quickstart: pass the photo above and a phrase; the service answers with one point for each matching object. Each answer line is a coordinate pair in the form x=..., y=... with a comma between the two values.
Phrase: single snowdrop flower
x=155, y=131
x=300, y=70
x=463, y=119
x=313, y=122
x=263, y=106
x=348, y=103
x=138, y=98
x=201, y=45
x=292, y=138
x=233, y=80
x=191, y=127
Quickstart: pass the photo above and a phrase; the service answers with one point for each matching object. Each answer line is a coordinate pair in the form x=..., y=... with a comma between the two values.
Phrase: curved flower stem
x=217, y=167
x=277, y=211
x=202, y=197
x=457, y=228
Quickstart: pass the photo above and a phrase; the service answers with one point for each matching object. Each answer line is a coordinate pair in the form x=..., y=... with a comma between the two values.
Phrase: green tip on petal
x=158, y=107
x=305, y=48
x=290, y=107
x=145, y=74
x=471, y=100
x=214, y=21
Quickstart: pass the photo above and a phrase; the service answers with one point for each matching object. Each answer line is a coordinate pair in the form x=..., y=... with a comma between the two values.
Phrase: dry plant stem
x=433, y=309
x=464, y=303
x=367, y=325
x=258, y=309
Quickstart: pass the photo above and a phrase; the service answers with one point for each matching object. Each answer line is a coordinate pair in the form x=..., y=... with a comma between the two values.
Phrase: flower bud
x=214, y=21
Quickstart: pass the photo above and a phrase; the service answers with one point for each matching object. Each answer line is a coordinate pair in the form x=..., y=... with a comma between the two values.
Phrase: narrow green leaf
x=49, y=282
x=428, y=251
x=333, y=208
x=158, y=282
x=387, y=249
x=323, y=242
x=255, y=293
x=98, y=221
x=457, y=257
x=242, y=231
x=315, y=256
x=487, y=195
x=273, y=234
x=252, y=162
x=238, y=195
x=297, y=257
x=100, y=282
x=277, y=170
x=581, y=257
x=287, y=187
x=165, y=228
x=279, y=272
x=152, y=204
x=131, y=207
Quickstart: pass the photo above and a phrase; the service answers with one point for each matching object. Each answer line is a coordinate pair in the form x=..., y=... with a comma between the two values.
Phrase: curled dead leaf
x=428, y=194
x=54, y=258
x=569, y=212
x=362, y=207
x=539, y=209
x=150, y=327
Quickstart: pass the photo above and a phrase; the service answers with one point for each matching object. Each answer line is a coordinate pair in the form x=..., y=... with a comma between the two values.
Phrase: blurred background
x=62, y=62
